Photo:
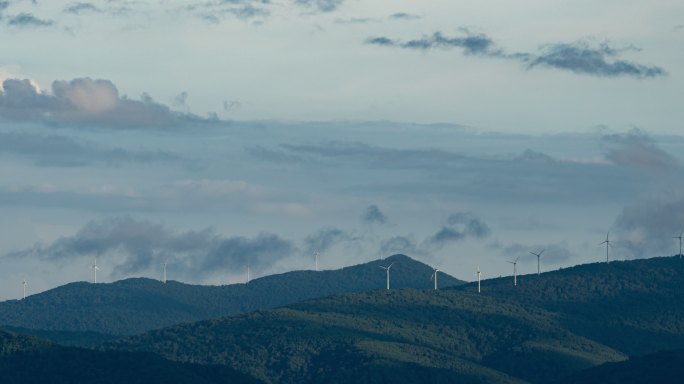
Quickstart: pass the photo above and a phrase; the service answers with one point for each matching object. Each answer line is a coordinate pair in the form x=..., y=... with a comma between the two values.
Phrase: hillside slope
x=137, y=305
x=550, y=326
x=24, y=359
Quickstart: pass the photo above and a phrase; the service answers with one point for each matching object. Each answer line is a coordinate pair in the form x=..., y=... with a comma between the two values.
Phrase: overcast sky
x=214, y=134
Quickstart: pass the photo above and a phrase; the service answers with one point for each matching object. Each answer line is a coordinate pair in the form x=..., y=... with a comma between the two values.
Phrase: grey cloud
x=324, y=239
x=216, y=11
x=29, y=20
x=373, y=214
x=144, y=245
x=321, y=5
x=85, y=101
x=647, y=229
x=399, y=244
x=579, y=57
x=63, y=151
x=355, y=20
x=78, y=7
x=637, y=149
x=404, y=16
x=460, y=226
x=229, y=105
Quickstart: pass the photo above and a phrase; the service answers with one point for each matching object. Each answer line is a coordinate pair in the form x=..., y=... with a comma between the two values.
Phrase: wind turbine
x=608, y=244
x=316, y=254
x=387, y=268
x=515, y=274
x=434, y=277
x=680, y=243
x=95, y=268
x=248, y=273
x=478, y=279
x=538, y=256
x=165, y=272
x=24, y=284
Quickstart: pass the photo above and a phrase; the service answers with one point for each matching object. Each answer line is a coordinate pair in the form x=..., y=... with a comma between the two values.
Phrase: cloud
x=403, y=16
x=582, y=58
x=325, y=238
x=373, y=215
x=579, y=57
x=78, y=8
x=85, y=101
x=460, y=226
x=29, y=20
x=637, y=149
x=471, y=43
x=646, y=229
x=321, y=5
x=229, y=105
x=214, y=12
x=135, y=246
x=63, y=151
x=399, y=244
x=554, y=253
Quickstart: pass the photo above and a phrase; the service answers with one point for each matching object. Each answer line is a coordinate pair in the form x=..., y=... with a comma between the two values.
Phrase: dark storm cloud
x=86, y=102
x=580, y=57
x=324, y=239
x=29, y=20
x=647, y=229
x=373, y=215
x=321, y=5
x=63, y=151
x=140, y=245
x=637, y=149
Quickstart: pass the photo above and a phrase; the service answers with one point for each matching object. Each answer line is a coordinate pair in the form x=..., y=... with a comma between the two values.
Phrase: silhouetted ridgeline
x=84, y=313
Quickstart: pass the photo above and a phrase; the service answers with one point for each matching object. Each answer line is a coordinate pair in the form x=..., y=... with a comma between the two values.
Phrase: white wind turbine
x=316, y=254
x=680, y=243
x=387, y=268
x=608, y=245
x=248, y=273
x=478, y=278
x=165, y=272
x=23, y=283
x=434, y=276
x=515, y=274
x=538, y=257
x=95, y=268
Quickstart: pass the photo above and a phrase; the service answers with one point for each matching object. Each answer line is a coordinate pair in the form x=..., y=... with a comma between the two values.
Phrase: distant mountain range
x=86, y=314
x=548, y=327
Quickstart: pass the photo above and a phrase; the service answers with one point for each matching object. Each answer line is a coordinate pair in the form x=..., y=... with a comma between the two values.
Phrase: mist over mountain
x=84, y=314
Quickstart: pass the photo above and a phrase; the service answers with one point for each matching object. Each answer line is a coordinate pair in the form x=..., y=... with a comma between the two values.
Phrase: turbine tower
x=316, y=254
x=248, y=273
x=165, y=272
x=538, y=257
x=434, y=277
x=680, y=243
x=387, y=268
x=23, y=283
x=515, y=273
x=478, y=279
x=95, y=268
x=608, y=244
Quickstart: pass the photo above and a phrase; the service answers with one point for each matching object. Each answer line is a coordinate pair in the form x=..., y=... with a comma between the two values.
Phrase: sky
x=215, y=134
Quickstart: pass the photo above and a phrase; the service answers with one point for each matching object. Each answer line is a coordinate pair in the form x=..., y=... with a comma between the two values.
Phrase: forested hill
x=27, y=360
x=137, y=305
x=548, y=327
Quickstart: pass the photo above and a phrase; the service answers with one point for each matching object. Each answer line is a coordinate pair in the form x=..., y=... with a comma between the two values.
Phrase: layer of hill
x=84, y=313
x=24, y=359
x=549, y=326
x=661, y=367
